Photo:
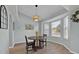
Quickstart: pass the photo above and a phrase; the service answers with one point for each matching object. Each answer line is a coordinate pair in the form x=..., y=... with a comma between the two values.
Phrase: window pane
x=2, y=20
x=55, y=29
x=5, y=21
x=5, y=14
x=2, y=12
x=2, y=25
x=46, y=29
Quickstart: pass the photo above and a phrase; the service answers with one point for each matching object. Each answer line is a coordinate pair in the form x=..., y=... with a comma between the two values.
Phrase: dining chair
x=29, y=44
x=44, y=40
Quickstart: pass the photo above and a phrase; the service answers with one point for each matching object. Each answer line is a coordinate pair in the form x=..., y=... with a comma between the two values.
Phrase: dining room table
x=38, y=44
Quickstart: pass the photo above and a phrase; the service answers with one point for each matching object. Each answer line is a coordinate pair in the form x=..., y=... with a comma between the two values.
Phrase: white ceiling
x=71, y=7
x=44, y=11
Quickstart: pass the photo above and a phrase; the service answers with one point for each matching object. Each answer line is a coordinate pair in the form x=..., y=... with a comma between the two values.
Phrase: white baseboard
x=20, y=42
x=65, y=47
x=70, y=50
x=16, y=43
x=12, y=46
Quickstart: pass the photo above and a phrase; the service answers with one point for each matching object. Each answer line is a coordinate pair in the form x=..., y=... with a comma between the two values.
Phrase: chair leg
x=26, y=49
x=46, y=43
x=42, y=43
x=33, y=47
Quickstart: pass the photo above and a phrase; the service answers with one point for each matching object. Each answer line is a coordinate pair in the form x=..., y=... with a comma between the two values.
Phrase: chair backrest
x=26, y=39
x=45, y=36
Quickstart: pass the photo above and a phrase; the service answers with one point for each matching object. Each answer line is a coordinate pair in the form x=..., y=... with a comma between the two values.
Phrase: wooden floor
x=51, y=48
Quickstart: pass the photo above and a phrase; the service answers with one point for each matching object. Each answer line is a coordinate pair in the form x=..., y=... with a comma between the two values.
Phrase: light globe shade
x=35, y=18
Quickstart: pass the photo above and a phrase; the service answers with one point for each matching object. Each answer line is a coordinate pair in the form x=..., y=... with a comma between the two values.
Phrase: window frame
x=51, y=28
x=3, y=21
x=66, y=27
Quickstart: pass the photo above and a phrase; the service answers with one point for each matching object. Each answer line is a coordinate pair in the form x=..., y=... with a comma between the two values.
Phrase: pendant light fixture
x=36, y=17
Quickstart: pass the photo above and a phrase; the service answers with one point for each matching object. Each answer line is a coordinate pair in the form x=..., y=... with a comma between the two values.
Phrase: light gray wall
x=74, y=33
x=18, y=31
x=4, y=39
x=74, y=36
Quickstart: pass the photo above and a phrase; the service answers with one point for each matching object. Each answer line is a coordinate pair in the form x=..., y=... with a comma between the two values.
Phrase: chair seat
x=30, y=40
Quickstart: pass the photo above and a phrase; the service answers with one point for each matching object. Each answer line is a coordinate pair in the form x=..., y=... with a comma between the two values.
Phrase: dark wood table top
x=35, y=37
